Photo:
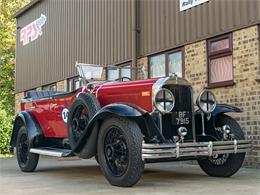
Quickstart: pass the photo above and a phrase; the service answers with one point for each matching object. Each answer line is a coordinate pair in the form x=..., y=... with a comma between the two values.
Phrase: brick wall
x=245, y=93
x=62, y=85
x=142, y=68
x=18, y=98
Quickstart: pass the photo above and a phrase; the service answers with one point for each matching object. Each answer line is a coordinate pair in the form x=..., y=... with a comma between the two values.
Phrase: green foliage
x=6, y=123
x=7, y=61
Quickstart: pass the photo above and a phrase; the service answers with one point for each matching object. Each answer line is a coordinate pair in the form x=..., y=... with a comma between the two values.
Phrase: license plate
x=181, y=118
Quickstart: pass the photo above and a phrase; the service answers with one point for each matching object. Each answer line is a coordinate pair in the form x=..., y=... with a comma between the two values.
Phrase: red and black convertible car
x=125, y=124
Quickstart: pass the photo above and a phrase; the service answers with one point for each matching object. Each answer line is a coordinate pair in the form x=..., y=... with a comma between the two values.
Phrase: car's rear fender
x=143, y=119
x=34, y=130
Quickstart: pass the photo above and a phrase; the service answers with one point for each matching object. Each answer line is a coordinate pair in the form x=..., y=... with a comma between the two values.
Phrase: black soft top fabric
x=36, y=95
x=40, y=94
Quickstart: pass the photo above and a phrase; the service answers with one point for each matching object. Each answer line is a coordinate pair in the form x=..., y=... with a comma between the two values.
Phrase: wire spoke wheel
x=27, y=161
x=81, y=112
x=219, y=159
x=224, y=165
x=23, y=149
x=120, y=151
x=79, y=121
x=116, y=151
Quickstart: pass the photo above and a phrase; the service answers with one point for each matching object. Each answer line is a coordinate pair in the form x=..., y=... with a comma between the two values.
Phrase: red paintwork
x=48, y=112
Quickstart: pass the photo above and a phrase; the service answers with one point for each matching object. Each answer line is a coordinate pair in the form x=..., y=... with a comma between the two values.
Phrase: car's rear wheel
x=120, y=151
x=224, y=165
x=27, y=161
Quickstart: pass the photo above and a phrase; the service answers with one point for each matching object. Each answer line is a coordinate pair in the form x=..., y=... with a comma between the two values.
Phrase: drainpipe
x=134, y=39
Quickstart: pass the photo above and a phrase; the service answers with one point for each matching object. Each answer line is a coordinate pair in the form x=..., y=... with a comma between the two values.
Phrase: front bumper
x=194, y=149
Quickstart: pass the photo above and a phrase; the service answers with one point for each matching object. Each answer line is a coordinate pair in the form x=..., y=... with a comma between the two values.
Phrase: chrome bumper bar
x=194, y=149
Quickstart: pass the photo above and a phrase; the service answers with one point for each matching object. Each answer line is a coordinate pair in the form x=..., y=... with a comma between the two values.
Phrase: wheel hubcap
x=219, y=159
x=116, y=151
x=79, y=121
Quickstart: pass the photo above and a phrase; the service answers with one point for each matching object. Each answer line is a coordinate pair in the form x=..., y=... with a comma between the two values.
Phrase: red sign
x=33, y=30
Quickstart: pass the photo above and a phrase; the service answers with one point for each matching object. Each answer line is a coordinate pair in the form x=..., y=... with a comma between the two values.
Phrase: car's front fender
x=141, y=117
x=224, y=108
x=210, y=124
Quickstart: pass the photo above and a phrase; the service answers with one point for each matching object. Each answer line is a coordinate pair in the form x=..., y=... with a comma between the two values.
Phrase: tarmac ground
x=75, y=176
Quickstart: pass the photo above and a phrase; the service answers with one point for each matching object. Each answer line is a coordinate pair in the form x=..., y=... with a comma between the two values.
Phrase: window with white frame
x=166, y=64
x=119, y=72
x=51, y=87
x=74, y=83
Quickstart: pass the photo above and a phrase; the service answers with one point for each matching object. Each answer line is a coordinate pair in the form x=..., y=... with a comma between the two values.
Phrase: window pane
x=76, y=84
x=112, y=74
x=126, y=72
x=51, y=87
x=221, y=69
x=219, y=45
x=175, y=63
x=157, y=66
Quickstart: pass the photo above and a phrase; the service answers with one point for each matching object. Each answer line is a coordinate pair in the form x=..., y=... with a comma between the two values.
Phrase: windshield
x=89, y=71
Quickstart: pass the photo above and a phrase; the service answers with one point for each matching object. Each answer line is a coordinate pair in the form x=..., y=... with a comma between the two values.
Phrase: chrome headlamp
x=206, y=101
x=164, y=100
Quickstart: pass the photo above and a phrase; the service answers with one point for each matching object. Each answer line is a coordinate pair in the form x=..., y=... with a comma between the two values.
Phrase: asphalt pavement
x=75, y=176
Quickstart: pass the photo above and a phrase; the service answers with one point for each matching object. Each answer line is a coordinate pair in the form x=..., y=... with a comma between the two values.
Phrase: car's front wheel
x=27, y=161
x=224, y=165
x=120, y=151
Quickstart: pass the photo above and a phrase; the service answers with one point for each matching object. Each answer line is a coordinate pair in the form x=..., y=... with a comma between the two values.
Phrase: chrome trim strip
x=210, y=148
x=156, y=87
x=235, y=146
x=51, y=152
x=155, y=151
x=203, y=123
x=193, y=116
x=177, y=150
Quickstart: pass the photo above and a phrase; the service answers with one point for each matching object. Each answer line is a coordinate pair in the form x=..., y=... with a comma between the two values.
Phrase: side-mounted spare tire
x=82, y=110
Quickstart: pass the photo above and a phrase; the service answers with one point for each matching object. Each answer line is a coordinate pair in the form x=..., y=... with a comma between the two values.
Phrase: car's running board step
x=56, y=152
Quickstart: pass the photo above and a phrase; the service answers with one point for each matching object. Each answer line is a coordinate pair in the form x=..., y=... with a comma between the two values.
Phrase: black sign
x=181, y=118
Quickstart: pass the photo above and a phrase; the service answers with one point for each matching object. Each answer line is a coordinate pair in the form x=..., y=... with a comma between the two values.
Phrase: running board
x=56, y=152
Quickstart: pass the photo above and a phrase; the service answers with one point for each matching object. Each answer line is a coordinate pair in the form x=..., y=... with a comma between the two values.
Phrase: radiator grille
x=183, y=102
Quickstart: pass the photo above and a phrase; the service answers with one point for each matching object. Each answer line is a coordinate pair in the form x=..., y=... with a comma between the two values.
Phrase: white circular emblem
x=65, y=114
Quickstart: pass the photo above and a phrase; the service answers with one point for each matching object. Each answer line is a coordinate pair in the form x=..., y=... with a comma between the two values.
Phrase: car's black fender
x=142, y=118
x=210, y=124
x=33, y=128
x=224, y=108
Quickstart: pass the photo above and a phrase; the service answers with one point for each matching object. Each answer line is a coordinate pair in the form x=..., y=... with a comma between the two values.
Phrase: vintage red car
x=125, y=124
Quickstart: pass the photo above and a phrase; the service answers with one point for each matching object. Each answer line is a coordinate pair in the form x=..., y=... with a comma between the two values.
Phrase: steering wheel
x=123, y=79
